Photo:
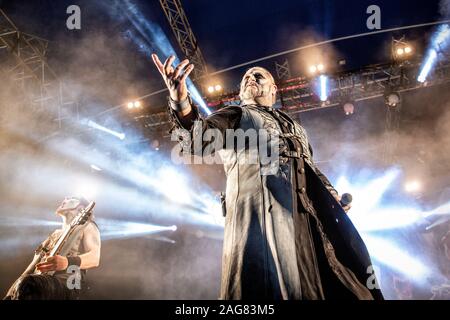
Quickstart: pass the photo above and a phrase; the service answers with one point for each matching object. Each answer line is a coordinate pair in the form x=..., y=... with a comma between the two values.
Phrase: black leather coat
x=286, y=237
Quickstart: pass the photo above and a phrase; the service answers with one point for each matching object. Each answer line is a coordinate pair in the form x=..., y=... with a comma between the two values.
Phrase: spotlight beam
x=117, y=229
x=152, y=34
x=96, y=126
x=323, y=87
x=317, y=44
x=439, y=42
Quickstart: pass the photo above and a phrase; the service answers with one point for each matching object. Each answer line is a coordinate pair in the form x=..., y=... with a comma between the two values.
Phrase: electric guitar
x=43, y=252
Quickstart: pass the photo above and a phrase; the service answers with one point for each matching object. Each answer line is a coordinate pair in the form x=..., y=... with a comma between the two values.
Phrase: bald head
x=258, y=87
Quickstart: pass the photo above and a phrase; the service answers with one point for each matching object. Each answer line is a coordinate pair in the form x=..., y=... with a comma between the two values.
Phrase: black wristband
x=73, y=261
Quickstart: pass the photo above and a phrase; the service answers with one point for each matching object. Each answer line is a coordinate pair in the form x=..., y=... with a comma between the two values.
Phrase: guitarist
x=51, y=277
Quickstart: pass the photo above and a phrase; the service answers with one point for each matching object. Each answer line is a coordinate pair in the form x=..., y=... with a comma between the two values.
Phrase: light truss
x=184, y=35
x=23, y=58
x=298, y=94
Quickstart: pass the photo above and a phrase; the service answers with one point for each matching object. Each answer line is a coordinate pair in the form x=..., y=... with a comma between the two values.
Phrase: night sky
x=234, y=32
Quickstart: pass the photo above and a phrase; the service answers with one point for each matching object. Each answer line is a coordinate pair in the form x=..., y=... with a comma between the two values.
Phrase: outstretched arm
x=184, y=113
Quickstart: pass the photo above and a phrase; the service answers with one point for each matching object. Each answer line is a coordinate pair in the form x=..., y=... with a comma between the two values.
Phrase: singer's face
x=67, y=205
x=258, y=86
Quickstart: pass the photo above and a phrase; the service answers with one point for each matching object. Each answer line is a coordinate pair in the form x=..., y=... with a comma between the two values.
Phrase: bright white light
x=400, y=51
x=86, y=188
x=218, y=87
x=94, y=125
x=211, y=89
x=197, y=97
x=443, y=34
x=137, y=104
x=440, y=41
x=312, y=69
x=408, y=50
x=94, y=167
x=323, y=88
x=432, y=55
x=441, y=210
x=320, y=67
x=413, y=186
x=130, y=105
x=113, y=229
x=393, y=99
x=367, y=213
x=389, y=254
x=386, y=218
x=174, y=185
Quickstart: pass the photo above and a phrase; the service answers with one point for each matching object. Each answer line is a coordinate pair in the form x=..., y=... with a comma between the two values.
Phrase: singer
x=286, y=234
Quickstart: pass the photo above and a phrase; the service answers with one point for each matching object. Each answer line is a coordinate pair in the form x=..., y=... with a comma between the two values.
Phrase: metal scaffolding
x=299, y=94
x=23, y=58
x=184, y=35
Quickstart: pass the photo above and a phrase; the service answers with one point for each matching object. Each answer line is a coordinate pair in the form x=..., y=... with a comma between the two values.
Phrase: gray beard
x=250, y=93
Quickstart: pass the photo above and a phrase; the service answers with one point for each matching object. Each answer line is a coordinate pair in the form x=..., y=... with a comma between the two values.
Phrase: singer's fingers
x=180, y=68
x=158, y=64
x=187, y=72
x=168, y=65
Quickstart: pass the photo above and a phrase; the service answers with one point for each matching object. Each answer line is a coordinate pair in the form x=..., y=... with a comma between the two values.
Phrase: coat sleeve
x=190, y=130
x=323, y=178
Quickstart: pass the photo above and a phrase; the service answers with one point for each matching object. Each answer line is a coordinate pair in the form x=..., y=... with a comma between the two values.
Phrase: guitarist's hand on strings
x=55, y=263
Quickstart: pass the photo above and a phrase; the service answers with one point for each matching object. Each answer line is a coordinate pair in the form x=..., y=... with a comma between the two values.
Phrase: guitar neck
x=62, y=239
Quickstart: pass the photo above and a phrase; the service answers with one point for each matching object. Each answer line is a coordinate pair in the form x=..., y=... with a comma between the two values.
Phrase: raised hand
x=175, y=78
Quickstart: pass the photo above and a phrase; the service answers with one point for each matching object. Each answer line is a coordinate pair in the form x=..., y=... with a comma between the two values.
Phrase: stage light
x=395, y=257
x=96, y=126
x=156, y=144
x=323, y=87
x=392, y=99
x=439, y=42
x=429, y=62
x=401, y=50
x=413, y=186
x=148, y=32
x=210, y=89
x=134, y=104
x=349, y=108
x=174, y=185
x=86, y=188
x=317, y=68
x=94, y=167
x=197, y=97
x=218, y=87
x=117, y=229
